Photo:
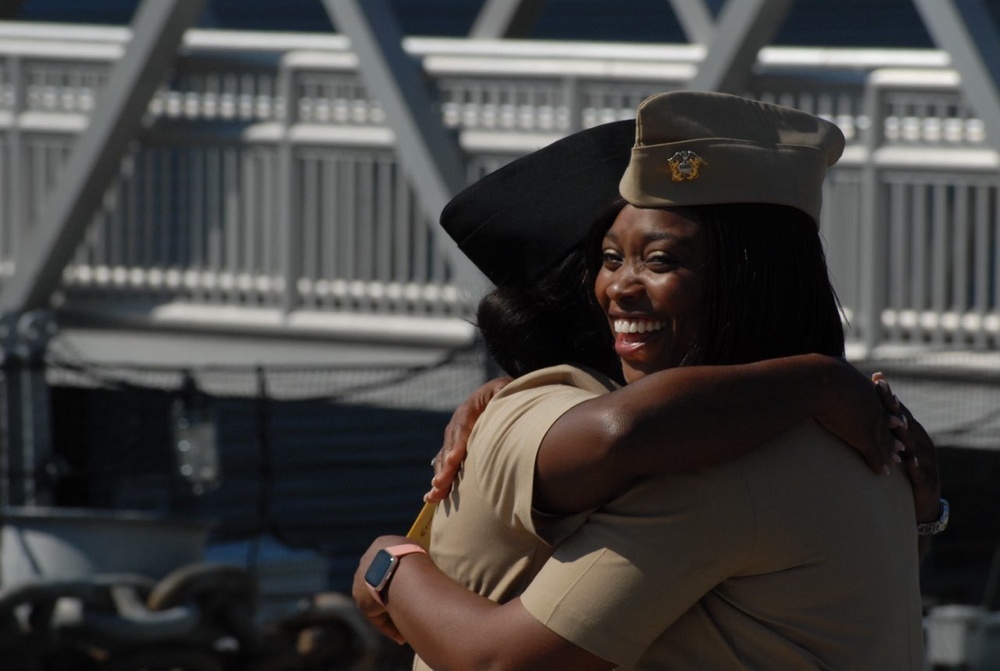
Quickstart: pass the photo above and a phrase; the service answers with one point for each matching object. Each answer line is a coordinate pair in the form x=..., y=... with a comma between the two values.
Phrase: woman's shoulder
x=563, y=375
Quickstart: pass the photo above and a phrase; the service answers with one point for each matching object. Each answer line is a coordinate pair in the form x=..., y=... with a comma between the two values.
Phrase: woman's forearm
x=441, y=620
x=452, y=628
x=694, y=417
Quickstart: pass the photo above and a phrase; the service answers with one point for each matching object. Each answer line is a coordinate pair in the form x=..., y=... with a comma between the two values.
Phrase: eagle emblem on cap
x=684, y=165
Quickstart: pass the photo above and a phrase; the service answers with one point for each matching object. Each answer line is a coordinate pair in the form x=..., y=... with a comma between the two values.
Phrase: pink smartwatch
x=384, y=565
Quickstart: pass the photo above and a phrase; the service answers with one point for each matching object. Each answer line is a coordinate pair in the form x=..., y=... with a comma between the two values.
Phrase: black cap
x=522, y=219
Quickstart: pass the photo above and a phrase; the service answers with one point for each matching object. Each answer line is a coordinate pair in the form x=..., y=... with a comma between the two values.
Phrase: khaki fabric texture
x=483, y=535
x=794, y=556
x=702, y=148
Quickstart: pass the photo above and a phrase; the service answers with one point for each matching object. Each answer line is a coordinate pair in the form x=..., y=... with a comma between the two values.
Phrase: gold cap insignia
x=684, y=165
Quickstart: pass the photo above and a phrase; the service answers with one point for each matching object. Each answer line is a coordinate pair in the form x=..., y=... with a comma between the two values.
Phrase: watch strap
x=936, y=527
x=396, y=551
x=404, y=549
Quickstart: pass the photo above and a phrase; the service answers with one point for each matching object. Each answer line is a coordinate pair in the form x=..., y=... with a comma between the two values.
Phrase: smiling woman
x=757, y=265
x=705, y=516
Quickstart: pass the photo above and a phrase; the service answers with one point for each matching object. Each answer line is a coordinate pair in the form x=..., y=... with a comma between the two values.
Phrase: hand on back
x=863, y=418
x=456, y=437
x=918, y=456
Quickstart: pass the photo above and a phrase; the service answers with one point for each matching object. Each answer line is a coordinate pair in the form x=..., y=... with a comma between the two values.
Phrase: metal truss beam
x=743, y=27
x=506, y=18
x=696, y=20
x=25, y=418
x=157, y=30
x=968, y=32
x=429, y=155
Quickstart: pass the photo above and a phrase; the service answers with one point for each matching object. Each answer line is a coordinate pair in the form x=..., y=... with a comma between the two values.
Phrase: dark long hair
x=552, y=319
x=767, y=291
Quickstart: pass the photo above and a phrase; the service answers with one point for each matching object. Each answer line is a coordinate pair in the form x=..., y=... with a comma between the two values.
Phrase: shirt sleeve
x=503, y=449
x=504, y=444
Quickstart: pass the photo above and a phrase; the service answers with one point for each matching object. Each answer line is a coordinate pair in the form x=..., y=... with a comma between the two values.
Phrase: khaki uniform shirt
x=483, y=534
x=794, y=556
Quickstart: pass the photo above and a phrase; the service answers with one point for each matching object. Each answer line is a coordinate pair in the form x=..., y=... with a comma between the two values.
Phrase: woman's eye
x=611, y=259
x=660, y=260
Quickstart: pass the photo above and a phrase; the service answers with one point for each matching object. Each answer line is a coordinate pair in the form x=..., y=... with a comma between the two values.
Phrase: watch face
x=378, y=572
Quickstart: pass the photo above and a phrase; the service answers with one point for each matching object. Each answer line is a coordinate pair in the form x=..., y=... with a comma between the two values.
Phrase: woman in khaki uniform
x=791, y=556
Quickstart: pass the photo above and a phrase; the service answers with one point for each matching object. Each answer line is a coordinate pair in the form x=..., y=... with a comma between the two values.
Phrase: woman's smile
x=637, y=326
x=633, y=334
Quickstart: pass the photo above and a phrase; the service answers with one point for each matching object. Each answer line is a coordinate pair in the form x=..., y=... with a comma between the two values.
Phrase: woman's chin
x=637, y=367
x=639, y=362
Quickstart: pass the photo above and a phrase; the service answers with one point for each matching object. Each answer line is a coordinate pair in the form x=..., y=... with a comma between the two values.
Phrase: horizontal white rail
x=269, y=181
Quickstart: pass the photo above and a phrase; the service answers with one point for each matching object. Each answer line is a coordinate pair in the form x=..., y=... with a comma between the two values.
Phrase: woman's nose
x=625, y=285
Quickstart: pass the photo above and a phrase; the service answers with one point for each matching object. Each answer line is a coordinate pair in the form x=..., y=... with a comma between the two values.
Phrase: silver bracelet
x=931, y=528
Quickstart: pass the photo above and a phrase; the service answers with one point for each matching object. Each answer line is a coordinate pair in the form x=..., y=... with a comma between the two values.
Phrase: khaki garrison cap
x=698, y=148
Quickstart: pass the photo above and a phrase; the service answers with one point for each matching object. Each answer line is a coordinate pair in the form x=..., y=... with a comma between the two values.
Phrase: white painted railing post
x=288, y=225
x=17, y=188
x=873, y=229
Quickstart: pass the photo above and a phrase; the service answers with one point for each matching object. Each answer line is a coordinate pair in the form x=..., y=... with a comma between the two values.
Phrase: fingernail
x=916, y=462
x=906, y=422
x=885, y=470
x=895, y=421
x=898, y=459
x=898, y=445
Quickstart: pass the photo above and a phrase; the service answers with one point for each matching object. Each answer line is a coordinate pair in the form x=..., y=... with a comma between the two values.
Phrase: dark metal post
x=25, y=431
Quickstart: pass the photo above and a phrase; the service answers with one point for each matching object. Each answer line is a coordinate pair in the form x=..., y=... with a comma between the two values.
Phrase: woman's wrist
x=935, y=523
x=928, y=507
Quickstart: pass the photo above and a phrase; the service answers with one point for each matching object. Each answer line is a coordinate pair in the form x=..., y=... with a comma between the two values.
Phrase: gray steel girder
x=157, y=30
x=970, y=35
x=506, y=18
x=742, y=28
x=696, y=20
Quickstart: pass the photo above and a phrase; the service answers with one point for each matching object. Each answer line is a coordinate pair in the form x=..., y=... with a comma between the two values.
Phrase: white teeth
x=637, y=326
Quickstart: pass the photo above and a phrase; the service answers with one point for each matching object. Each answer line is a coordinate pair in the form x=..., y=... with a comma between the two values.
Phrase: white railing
x=267, y=192
x=915, y=225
